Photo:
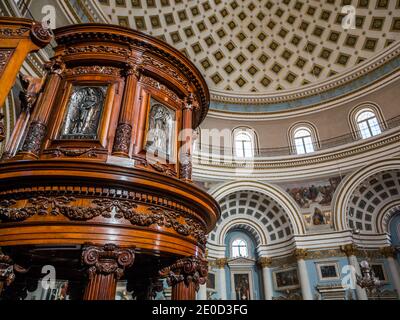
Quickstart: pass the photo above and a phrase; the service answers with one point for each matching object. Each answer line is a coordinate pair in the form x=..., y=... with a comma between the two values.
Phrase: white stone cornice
x=317, y=242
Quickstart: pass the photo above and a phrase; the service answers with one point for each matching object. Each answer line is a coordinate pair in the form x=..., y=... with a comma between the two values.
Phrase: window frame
x=368, y=125
x=313, y=137
x=253, y=148
x=239, y=246
x=359, y=109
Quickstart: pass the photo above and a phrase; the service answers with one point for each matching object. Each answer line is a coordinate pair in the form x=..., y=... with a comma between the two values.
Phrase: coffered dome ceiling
x=262, y=46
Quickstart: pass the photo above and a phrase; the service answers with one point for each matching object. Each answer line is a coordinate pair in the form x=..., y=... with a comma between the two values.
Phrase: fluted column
x=300, y=255
x=265, y=264
x=38, y=125
x=390, y=254
x=350, y=251
x=123, y=135
x=221, y=278
x=185, y=276
x=106, y=265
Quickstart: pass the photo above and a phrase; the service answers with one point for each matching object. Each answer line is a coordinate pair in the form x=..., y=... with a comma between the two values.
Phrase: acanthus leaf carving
x=162, y=168
x=9, y=32
x=189, y=270
x=73, y=153
x=106, y=70
x=105, y=208
x=109, y=259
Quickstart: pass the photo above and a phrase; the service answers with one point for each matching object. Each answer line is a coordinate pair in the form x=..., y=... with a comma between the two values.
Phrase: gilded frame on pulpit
x=161, y=131
x=84, y=119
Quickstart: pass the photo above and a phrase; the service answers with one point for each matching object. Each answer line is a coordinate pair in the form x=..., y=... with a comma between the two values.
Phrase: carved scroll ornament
x=109, y=259
x=189, y=270
x=105, y=208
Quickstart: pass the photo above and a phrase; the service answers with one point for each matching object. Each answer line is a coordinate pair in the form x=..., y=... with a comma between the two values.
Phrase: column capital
x=388, y=252
x=134, y=69
x=188, y=102
x=349, y=249
x=300, y=254
x=109, y=259
x=265, y=262
x=188, y=270
x=221, y=263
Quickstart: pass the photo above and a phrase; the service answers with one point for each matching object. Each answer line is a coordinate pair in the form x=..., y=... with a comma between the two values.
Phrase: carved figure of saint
x=160, y=130
x=84, y=112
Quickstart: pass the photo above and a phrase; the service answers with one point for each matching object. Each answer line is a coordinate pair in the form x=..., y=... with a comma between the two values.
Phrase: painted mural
x=305, y=196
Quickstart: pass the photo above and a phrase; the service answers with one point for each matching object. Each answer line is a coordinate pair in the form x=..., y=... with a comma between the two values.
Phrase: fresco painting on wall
x=305, y=196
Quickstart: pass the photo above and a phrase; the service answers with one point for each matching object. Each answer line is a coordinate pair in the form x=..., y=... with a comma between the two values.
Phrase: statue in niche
x=318, y=217
x=160, y=130
x=84, y=112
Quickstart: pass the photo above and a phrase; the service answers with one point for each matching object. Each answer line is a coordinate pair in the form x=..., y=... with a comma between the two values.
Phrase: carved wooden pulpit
x=98, y=182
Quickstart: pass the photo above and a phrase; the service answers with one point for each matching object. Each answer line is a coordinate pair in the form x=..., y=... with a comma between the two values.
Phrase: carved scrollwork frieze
x=18, y=210
x=157, y=85
x=73, y=153
x=104, y=70
x=98, y=49
x=151, y=61
x=10, y=32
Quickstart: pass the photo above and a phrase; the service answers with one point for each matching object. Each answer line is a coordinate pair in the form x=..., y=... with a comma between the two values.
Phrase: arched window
x=303, y=140
x=244, y=145
x=239, y=248
x=368, y=124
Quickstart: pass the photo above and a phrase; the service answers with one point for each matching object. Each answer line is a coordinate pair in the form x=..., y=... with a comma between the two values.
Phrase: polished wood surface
x=18, y=38
x=107, y=190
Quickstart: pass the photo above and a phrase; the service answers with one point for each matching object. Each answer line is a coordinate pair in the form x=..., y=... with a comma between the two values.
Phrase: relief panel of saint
x=161, y=130
x=83, y=113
